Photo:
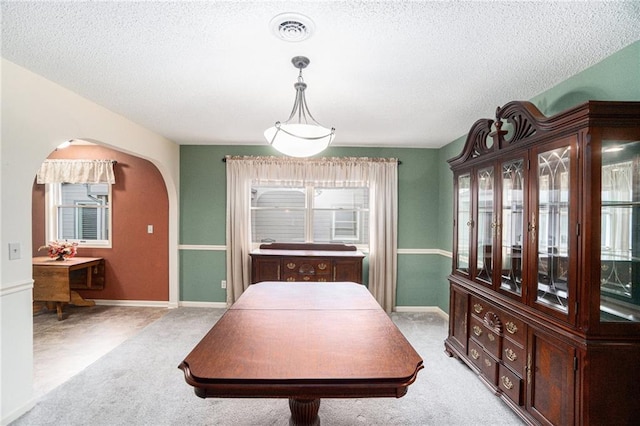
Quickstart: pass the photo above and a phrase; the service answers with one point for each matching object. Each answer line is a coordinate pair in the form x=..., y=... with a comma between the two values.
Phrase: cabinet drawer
x=475, y=353
x=513, y=328
x=489, y=367
x=476, y=329
x=486, y=337
x=305, y=278
x=510, y=383
x=314, y=269
x=479, y=307
x=513, y=355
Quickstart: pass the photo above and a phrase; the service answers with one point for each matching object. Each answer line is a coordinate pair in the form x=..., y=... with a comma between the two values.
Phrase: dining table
x=304, y=341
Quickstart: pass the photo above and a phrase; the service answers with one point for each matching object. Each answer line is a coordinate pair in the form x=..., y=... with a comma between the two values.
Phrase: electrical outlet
x=223, y=283
x=14, y=251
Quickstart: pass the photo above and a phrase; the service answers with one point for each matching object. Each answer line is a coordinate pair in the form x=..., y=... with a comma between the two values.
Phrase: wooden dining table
x=303, y=341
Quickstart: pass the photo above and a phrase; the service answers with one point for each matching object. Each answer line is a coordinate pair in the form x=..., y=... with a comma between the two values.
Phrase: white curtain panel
x=379, y=174
x=238, y=227
x=383, y=233
x=77, y=171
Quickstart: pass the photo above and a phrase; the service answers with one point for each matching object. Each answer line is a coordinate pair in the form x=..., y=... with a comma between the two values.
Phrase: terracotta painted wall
x=137, y=264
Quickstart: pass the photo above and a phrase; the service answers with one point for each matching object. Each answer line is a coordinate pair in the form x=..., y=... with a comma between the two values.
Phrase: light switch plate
x=14, y=251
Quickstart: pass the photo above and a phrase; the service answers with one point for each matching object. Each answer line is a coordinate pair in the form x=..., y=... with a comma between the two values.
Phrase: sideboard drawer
x=307, y=269
x=313, y=263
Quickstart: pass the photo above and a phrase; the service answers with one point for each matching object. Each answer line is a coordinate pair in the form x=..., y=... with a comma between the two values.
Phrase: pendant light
x=300, y=135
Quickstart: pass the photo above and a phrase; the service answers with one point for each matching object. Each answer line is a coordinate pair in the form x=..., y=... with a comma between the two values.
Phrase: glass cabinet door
x=486, y=226
x=551, y=223
x=463, y=223
x=512, y=225
x=620, y=232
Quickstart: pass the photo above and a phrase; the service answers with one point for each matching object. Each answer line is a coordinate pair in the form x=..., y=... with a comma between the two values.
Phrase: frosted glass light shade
x=299, y=140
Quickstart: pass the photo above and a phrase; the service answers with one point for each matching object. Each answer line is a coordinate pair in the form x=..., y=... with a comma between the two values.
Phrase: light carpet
x=138, y=383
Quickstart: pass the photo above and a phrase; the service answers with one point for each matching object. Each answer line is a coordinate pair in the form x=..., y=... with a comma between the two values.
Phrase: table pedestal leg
x=304, y=412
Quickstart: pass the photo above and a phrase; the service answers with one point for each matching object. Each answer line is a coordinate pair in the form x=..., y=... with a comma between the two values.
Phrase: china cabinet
x=545, y=285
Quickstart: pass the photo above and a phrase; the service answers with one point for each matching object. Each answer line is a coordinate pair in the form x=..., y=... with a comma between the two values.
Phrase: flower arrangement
x=61, y=250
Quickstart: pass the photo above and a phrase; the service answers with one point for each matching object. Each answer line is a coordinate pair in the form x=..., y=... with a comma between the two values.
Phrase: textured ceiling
x=410, y=74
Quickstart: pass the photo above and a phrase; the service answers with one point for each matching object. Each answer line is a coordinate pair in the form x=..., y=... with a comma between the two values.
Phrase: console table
x=56, y=281
x=306, y=262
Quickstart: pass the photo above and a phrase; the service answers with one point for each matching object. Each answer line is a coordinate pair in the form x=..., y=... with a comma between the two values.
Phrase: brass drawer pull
x=487, y=362
x=491, y=337
x=306, y=278
x=511, y=327
x=477, y=330
x=474, y=354
x=510, y=354
x=291, y=265
x=478, y=308
x=506, y=382
x=322, y=266
x=291, y=279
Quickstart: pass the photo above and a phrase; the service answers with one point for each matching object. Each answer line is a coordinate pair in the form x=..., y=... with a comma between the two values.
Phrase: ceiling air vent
x=292, y=27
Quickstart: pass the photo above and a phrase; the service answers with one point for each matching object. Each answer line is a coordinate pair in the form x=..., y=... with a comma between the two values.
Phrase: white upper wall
x=37, y=115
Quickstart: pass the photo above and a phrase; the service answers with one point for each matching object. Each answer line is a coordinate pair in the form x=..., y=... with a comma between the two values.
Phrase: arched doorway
x=136, y=264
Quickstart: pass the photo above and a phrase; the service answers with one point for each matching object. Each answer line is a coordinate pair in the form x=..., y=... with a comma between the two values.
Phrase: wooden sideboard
x=306, y=262
x=56, y=281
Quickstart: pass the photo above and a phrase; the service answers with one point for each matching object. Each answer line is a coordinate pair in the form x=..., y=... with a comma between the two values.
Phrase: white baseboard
x=13, y=416
x=433, y=309
x=187, y=304
x=138, y=303
x=223, y=305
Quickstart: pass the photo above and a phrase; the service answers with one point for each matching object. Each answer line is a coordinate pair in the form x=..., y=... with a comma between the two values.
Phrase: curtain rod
x=224, y=160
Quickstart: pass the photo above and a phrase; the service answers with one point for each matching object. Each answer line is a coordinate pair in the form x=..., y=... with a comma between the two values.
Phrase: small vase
x=60, y=257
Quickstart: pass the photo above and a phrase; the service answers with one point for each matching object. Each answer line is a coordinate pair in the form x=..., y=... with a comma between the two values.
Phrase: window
x=310, y=214
x=79, y=212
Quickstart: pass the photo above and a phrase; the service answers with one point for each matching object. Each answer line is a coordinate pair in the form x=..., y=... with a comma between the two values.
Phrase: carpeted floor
x=138, y=383
x=62, y=349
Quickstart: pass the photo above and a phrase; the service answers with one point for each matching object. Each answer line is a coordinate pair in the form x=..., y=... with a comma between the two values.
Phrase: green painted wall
x=424, y=176
x=617, y=78
x=203, y=218
x=200, y=274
